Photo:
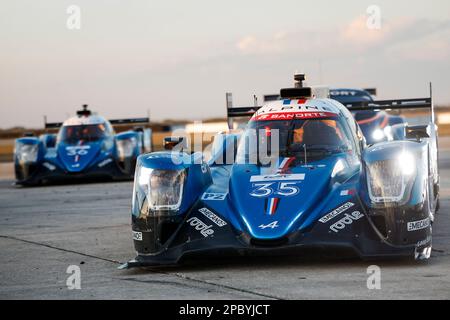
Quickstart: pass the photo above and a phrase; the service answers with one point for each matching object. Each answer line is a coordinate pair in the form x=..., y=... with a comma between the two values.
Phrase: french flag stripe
x=272, y=207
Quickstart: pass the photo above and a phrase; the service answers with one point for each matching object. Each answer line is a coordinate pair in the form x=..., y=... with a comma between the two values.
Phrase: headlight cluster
x=107, y=145
x=388, y=180
x=26, y=153
x=126, y=147
x=382, y=134
x=158, y=190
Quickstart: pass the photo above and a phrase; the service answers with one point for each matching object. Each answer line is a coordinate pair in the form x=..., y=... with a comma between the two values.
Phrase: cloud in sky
x=403, y=38
x=178, y=59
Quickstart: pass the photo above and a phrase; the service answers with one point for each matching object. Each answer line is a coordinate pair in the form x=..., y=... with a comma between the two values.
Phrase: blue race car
x=301, y=177
x=85, y=147
x=375, y=125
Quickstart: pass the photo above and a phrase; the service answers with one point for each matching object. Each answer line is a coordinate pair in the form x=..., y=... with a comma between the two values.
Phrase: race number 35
x=282, y=189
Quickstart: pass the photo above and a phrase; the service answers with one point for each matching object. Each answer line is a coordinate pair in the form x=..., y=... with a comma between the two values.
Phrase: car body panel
x=319, y=207
x=88, y=157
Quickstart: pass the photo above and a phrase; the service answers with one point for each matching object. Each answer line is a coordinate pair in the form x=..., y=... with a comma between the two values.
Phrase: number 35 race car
x=302, y=176
x=85, y=147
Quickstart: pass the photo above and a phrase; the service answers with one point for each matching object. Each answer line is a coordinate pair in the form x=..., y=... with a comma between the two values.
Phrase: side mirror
x=362, y=144
x=147, y=140
x=361, y=139
x=49, y=140
x=416, y=132
x=171, y=142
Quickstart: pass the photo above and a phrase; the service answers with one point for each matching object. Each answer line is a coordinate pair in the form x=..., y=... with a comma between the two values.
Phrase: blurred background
x=174, y=60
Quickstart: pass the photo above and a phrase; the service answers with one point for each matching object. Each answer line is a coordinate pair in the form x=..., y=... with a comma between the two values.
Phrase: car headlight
x=26, y=153
x=126, y=147
x=389, y=180
x=158, y=190
x=382, y=134
x=107, y=145
x=378, y=135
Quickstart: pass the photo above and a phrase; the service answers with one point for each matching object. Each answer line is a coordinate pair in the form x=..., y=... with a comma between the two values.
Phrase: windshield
x=87, y=133
x=312, y=138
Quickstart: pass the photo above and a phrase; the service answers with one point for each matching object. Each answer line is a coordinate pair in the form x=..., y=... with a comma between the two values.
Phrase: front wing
x=48, y=172
x=203, y=231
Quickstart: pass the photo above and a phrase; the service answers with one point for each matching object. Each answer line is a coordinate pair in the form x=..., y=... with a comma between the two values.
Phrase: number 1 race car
x=85, y=147
x=302, y=177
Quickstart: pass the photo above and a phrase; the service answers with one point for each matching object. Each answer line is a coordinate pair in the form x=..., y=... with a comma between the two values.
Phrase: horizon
x=177, y=60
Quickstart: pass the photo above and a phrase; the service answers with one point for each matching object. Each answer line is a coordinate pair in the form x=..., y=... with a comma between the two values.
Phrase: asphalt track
x=44, y=230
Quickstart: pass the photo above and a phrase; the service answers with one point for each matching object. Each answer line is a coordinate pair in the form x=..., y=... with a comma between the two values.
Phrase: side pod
x=28, y=152
x=167, y=185
x=396, y=193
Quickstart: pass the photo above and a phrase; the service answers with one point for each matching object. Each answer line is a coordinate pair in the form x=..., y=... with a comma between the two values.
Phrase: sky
x=176, y=59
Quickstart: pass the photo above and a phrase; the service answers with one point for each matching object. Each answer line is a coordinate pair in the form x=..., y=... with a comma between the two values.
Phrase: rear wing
x=86, y=112
x=238, y=112
x=371, y=91
x=420, y=103
x=398, y=104
x=115, y=122
x=130, y=121
x=52, y=125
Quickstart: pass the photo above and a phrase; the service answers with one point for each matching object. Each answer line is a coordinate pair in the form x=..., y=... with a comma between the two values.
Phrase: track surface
x=44, y=230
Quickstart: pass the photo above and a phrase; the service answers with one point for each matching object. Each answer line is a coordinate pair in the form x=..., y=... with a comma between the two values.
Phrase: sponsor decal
x=199, y=225
x=105, y=162
x=336, y=212
x=49, y=166
x=342, y=93
x=77, y=150
x=282, y=189
x=137, y=236
x=272, y=206
x=212, y=196
x=424, y=242
x=278, y=177
x=287, y=102
x=275, y=186
x=419, y=225
x=347, y=220
x=213, y=217
x=271, y=225
x=293, y=115
x=349, y=192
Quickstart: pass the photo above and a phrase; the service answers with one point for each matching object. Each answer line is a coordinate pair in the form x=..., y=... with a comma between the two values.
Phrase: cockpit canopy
x=300, y=138
x=85, y=132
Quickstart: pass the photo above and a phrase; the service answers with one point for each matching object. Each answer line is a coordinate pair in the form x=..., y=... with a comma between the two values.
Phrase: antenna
x=432, y=103
x=255, y=100
x=306, y=159
x=229, y=103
